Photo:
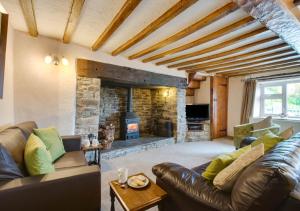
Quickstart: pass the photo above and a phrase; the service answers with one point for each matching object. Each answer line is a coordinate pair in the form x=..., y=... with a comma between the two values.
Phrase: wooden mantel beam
x=126, y=75
x=73, y=19
x=227, y=29
x=171, y=13
x=214, y=16
x=121, y=16
x=29, y=15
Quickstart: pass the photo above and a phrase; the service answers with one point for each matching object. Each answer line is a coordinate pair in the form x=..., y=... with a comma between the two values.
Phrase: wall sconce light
x=55, y=60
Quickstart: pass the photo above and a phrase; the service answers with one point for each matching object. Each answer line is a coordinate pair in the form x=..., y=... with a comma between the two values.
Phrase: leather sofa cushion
x=273, y=176
x=14, y=142
x=71, y=159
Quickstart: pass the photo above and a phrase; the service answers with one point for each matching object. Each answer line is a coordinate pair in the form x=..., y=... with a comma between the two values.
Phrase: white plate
x=129, y=182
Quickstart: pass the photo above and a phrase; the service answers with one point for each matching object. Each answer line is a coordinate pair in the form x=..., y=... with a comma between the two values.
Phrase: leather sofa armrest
x=192, y=184
x=71, y=143
x=68, y=189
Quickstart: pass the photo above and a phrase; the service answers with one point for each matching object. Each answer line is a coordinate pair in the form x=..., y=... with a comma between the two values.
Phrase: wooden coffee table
x=136, y=199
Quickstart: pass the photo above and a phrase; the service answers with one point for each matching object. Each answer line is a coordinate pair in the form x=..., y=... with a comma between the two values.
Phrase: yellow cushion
x=38, y=159
x=269, y=140
x=222, y=161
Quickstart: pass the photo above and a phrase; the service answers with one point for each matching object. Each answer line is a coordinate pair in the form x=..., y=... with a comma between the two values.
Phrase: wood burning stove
x=129, y=121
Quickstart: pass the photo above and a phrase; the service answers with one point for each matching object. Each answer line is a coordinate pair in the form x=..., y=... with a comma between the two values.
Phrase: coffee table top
x=138, y=199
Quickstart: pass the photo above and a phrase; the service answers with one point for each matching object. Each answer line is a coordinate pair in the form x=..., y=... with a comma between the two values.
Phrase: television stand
x=198, y=130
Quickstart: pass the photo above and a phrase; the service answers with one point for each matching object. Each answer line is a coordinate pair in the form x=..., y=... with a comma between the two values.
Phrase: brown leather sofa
x=73, y=186
x=264, y=185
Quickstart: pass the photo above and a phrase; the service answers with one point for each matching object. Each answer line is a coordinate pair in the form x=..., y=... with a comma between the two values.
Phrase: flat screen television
x=198, y=112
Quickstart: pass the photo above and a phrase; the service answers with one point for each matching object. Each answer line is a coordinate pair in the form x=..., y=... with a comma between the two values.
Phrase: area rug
x=188, y=154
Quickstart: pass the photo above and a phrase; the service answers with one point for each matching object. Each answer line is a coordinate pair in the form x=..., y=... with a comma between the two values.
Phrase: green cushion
x=221, y=162
x=52, y=140
x=269, y=140
x=38, y=159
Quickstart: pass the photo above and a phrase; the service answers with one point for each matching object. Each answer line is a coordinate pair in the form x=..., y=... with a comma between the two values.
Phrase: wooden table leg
x=112, y=200
x=99, y=157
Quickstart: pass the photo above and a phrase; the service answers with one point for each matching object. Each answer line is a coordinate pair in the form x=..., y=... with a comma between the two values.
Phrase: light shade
x=48, y=59
x=64, y=61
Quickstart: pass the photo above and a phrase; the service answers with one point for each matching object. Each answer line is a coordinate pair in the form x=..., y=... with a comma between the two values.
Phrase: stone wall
x=87, y=106
x=112, y=105
x=105, y=105
x=151, y=105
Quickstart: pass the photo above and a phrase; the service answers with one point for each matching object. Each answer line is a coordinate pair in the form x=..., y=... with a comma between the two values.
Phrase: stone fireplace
x=154, y=108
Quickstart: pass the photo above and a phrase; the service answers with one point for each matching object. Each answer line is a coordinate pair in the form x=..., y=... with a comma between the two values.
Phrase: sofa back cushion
x=14, y=142
x=27, y=128
x=273, y=177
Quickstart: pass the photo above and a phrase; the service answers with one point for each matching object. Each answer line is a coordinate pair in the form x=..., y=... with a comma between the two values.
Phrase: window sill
x=284, y=119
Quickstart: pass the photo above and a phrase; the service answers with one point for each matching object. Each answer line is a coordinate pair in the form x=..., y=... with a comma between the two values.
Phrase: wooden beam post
x=121, y=16
x=162, y=20
x=29, y=15
x=73, y=19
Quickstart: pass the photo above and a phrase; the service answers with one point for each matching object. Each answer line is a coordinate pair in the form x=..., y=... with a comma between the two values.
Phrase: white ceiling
x=52, y=16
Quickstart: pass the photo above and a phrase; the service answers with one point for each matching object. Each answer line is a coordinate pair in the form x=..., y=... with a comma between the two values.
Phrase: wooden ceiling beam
x=288, y=67
x=230, y=28
x=29, y=15
x=229, y=52
x=212, y=17
x=163, y=19
x=72, y=20
x=212, y=48
x=268, y=66
x=121, y=16
x=229, y=70
x=242, y=58
x=257, y=63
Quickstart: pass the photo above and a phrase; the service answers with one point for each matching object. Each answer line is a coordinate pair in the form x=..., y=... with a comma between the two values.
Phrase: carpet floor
x=188, y=154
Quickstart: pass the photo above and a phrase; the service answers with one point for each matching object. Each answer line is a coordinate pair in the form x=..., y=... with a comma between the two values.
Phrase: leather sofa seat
x=70, y=160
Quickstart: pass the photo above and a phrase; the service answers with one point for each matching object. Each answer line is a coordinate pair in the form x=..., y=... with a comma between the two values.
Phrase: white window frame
x=282, y=96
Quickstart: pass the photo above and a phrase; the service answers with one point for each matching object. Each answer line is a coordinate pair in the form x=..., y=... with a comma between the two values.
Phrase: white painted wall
x=7, y=103
x=46, y=93
x=202, y=95
x=235, y=95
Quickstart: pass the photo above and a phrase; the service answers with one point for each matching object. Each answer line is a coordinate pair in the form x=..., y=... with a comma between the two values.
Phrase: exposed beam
x=233, y=27
x=212, y=48
x=212, y=17
x=121, y=16
x=73, y=19
x=232, y=51
x=249, y=67
x=264, y=67
x=29, y=15
x=163, y=19
x=242, y=58
x=274, y=60
x=267, y=70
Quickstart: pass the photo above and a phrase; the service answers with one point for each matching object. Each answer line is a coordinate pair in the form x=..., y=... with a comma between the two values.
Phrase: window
x=280, y=98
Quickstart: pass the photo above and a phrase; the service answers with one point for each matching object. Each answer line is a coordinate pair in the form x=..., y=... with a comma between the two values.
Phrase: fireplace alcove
x=102, y=95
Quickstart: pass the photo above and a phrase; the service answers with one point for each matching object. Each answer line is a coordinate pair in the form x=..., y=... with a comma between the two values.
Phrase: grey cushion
x=8, y=167
x=265, y=123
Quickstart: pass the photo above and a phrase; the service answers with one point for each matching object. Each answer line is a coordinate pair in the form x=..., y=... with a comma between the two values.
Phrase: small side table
x=96, y=150
x=136, y=199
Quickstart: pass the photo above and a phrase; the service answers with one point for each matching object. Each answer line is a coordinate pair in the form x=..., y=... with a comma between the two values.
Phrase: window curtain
x=248, y=100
